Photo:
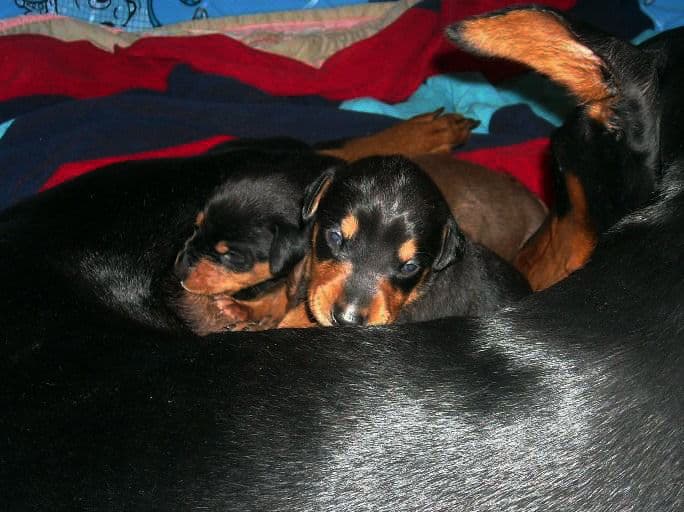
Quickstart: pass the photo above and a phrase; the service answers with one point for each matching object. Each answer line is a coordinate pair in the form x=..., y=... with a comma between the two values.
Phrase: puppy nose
x=347, y=315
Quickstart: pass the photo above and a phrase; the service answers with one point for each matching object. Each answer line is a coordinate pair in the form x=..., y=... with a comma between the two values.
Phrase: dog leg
x=433, y=132
x=562, y=244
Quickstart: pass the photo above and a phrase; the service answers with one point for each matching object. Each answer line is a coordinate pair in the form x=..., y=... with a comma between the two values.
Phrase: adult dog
x=570, y=400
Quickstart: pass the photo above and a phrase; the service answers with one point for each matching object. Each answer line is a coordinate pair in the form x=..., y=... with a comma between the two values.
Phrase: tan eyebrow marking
x=222, y=247
x=349, y=226
x=408, y=250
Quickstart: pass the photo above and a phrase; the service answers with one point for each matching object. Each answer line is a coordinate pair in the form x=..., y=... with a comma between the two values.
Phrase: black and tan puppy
x=569, y=399
x=247, y=238
x=237, y=269
x=385, y=247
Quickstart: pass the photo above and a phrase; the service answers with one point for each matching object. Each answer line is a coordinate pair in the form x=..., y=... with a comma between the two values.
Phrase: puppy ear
x=545, y=41
x=288, y=247
x=315, y=192
x=453, y=242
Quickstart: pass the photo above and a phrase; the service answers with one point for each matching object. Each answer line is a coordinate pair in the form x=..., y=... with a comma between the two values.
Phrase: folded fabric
x=473, y=96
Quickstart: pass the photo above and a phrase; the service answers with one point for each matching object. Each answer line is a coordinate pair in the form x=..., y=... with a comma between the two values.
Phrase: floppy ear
x=453, y=241
x=288, y=247
x=315, y=192
x=545, y=41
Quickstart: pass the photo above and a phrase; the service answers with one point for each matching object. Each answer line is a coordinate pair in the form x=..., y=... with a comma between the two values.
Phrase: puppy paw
x=436, y=132
x=229, y=311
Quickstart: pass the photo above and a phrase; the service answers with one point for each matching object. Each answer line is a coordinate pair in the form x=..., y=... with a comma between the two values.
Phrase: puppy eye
x=334, y=238
x=409, y=268
x=234, y=258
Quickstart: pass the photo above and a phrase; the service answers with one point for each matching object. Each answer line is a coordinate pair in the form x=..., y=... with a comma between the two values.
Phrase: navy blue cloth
x=48, y=132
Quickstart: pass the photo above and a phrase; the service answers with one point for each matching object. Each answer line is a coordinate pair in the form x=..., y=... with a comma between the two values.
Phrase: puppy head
x=380, y=228
x=241, y=238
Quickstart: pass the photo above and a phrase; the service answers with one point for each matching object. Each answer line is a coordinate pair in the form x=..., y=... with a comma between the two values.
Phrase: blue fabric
x=50, y=131
x=666, y=14
x=473, y=96
x=136, y=15
x=195, y=106
x=4, y=126
x=514, y=124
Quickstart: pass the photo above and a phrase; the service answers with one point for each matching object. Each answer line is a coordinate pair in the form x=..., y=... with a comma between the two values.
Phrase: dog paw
x=436, y=132
x=230, y=311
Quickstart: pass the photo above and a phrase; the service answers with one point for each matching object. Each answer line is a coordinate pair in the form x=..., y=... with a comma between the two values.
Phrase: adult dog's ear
x=288, y=247
x=315, y=192
x=453, y=243
x=544, y=40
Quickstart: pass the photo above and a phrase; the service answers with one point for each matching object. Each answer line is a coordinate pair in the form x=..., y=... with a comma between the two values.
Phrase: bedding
x=145, y=14
x=75, y=96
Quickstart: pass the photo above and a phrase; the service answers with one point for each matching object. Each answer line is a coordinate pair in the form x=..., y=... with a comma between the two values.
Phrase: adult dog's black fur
x=570, y=400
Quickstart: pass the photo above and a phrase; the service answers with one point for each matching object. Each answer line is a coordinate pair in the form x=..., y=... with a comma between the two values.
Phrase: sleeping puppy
x=385, y=247
x=247, y=238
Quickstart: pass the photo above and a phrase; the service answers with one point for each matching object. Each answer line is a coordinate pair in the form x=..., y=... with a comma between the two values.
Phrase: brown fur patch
x=562, y=245
x=199, y=220
x=267, y=310
x=388, y=301
x=326, y=287
x=407, y=250
x=349, y=226
x=209, y=278
x=222, y=247
x=386, y=304
x=418, y=289
x=542, y=41
x=298, y=317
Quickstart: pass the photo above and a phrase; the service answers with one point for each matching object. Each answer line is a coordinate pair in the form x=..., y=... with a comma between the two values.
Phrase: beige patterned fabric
x=310, y=36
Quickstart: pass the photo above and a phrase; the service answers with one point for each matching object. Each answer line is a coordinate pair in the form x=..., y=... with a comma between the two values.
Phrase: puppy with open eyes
x=240, y=268
x=385, y=248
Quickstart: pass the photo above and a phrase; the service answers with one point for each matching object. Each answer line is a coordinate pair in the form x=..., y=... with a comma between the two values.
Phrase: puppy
x=247, y=238
x=237, y=269
x=385, y=246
